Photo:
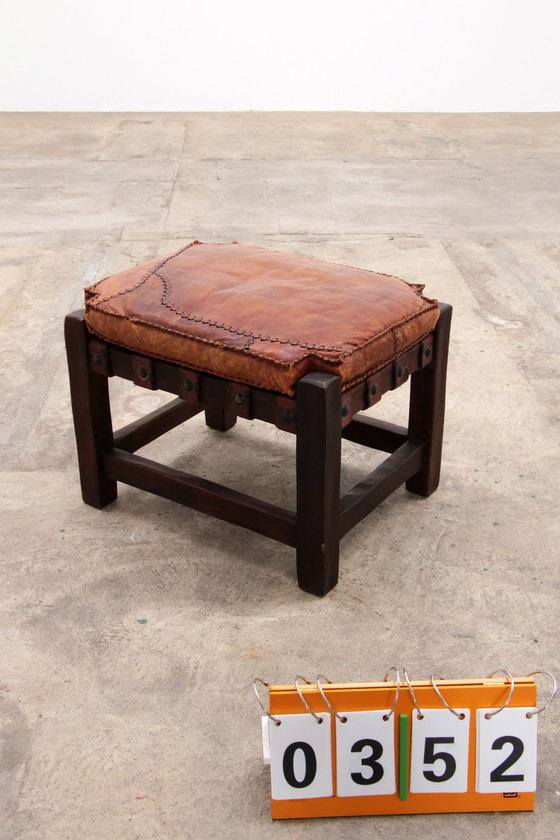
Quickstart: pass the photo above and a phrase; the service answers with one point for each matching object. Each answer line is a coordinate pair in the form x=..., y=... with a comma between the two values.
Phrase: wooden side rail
x=200, y=494
x=376, y=434
x=154, y=425
x=379, y=484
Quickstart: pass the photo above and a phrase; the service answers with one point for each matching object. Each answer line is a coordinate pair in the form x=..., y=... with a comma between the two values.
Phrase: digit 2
x=498, y=774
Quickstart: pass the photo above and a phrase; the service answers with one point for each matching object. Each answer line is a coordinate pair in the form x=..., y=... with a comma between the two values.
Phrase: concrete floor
x=131, y=636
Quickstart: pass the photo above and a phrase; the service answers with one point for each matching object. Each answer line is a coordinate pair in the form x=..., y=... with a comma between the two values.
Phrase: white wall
x=366, y=55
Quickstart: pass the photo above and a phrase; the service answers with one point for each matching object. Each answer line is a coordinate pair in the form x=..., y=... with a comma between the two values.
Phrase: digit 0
x=310, y=764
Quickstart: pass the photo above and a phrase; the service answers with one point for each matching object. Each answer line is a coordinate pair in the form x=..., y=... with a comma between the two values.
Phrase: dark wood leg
x=427, y=408
x=219, y=418
x=318, y=430
x=92, y=414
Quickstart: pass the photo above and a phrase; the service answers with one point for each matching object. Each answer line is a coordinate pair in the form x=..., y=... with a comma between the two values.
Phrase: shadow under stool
x=240, y=331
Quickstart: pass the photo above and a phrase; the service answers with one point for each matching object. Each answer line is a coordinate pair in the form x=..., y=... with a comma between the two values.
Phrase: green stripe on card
x=403, y=757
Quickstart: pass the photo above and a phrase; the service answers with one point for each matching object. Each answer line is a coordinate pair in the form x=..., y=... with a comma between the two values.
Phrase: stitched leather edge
x=291, y=389
x=90, y=290
x=167, y=285
x=417, y=288
x=251, y=352
x=171, y=331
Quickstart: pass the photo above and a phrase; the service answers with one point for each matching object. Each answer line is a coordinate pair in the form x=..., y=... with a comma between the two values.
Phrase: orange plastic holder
x=460, y=694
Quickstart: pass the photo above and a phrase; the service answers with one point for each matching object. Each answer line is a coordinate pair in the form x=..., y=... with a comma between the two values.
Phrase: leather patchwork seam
x=198, y=319
x=91, y=289
x=250, y=351
x=220, y=344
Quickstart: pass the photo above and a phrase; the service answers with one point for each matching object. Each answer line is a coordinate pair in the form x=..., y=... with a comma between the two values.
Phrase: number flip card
x=365, y=754
x=506, y=752
x=439, y=760
x=300, y=757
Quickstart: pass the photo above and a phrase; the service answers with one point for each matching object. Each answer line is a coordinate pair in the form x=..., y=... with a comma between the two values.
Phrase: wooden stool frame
x=319, y=415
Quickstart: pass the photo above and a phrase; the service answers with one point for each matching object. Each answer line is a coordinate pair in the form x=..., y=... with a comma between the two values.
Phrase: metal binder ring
x=418, y=709
x=263, y=707
x=340, y=717
x=393, y=707
x=488, y=715
x=552, y=696
x=460, y=715
x=318, y=718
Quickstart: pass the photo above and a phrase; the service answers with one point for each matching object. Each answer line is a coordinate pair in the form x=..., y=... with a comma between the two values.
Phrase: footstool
x=241, y=331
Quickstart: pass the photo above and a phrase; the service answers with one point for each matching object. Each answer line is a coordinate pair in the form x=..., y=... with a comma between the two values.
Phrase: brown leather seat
x=260, y=317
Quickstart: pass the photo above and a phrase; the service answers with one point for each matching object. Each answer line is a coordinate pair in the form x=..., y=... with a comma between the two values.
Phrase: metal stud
x=287, y=415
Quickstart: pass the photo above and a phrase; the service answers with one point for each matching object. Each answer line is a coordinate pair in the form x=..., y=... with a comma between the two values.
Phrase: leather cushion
x=260, y=317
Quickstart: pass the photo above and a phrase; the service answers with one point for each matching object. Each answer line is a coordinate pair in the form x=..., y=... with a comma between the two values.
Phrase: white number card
x=365, y=753
x=506, y=753
x=439, y=761
x=300, y=757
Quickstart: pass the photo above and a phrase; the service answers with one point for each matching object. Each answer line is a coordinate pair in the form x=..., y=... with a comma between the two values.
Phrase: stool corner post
x=318, y=448
x=220, y=418
x=427, y=408
x=91, y=411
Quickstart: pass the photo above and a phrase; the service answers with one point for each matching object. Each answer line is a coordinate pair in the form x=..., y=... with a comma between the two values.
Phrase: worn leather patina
x=260, y=317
